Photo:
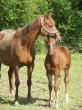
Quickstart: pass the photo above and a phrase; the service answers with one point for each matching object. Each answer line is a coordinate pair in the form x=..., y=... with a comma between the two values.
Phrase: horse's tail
x=0, y=70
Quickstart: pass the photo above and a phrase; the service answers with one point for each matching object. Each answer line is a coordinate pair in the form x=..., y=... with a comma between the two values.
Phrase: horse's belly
x=25, y=59
x=5, y=57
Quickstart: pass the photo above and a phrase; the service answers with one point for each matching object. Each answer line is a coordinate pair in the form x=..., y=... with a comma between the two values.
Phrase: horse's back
x=6, y=38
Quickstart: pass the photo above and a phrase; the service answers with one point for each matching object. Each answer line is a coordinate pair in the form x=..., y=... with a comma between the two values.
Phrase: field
x=40, y=88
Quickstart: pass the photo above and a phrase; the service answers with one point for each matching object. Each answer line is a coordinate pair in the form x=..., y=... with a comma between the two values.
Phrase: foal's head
x=51, y=44
x=52, y=41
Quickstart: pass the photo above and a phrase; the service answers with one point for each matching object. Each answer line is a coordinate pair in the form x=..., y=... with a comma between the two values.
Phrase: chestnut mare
x=57, y=58
x=16, y=48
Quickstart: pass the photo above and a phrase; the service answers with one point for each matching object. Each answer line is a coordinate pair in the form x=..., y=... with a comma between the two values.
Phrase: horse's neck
x=31, y=35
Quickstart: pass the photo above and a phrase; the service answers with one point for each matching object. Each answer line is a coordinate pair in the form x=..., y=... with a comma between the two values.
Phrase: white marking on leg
x=56, y=106
x=66, y=97
x=12, y=93
x=55, y=102
x=17, y=103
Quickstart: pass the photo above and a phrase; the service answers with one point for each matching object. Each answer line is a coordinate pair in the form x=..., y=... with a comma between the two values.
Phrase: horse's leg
x=0, y=70
x=10, y=75
x=66, y=81
x=49, y=76
x=57, y=86
x=29, y=82
x=17, y=81
x=0, y=77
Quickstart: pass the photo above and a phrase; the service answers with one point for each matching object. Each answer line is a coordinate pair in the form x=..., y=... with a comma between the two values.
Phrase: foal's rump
x=65, y=56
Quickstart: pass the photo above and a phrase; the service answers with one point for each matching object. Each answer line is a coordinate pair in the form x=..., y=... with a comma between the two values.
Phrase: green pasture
x=40, y=88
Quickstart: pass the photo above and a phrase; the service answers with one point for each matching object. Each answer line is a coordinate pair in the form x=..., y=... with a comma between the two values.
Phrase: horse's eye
x=54, y=36
x=45, y=23
x=50, y=26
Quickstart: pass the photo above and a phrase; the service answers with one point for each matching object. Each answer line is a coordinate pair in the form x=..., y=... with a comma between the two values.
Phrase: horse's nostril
x=52, y=34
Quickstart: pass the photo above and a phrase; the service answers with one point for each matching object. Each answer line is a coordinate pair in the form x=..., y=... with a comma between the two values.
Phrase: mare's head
x=48, y=27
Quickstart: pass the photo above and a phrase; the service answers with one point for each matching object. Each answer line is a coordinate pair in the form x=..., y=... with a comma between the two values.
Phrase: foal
x=57, y=58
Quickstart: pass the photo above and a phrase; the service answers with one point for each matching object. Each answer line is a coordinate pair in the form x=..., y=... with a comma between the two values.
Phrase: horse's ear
x=49, y=15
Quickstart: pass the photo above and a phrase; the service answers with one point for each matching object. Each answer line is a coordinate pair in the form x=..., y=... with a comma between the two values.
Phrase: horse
x=16, y=48
x=30, y=68
x=57, y=58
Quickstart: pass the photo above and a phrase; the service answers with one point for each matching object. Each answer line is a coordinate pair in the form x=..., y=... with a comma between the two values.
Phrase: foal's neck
x=54, y=48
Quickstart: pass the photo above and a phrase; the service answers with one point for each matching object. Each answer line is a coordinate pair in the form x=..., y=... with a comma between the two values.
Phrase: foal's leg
x=10, y=75
x=29, y=82
x=49, y=76
x=66, y=81
x=17, y=81
x=57, y=86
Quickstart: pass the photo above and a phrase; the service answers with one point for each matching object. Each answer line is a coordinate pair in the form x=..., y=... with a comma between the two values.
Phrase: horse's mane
x=26, y=29
x=29, y=27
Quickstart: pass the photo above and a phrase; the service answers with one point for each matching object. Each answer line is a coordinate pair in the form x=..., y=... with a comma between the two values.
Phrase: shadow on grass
x=21, y=100
x=80, y=106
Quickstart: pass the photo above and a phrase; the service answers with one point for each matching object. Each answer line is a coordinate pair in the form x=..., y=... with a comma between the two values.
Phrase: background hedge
x=67, y=13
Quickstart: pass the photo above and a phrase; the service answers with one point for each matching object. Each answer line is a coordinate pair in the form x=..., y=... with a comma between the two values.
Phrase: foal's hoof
x=55, y=105
x=49, y=104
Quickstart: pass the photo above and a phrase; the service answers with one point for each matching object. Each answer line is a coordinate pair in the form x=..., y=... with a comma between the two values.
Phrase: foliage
x=67, y=13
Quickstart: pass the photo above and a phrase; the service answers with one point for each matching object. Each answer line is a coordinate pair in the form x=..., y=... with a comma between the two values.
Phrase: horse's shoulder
x=1, y=36
x=18, y=32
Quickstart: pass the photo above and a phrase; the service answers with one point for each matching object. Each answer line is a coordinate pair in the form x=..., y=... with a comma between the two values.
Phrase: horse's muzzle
x=52, y=34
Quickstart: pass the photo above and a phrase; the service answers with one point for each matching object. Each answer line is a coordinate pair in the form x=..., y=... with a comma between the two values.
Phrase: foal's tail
x=0, y=70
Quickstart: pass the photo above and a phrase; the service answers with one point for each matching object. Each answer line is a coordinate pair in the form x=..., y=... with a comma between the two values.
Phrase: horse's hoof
x=29, y=97
x=16, y=103
x=16, y=96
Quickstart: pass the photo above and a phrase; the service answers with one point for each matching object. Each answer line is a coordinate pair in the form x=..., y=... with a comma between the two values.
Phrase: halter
x=43, y=27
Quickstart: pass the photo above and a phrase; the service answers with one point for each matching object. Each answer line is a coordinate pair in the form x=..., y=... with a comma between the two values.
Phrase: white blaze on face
x=51, y=44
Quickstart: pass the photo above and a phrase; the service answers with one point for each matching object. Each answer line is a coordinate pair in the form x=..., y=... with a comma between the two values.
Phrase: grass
x=40, y=88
